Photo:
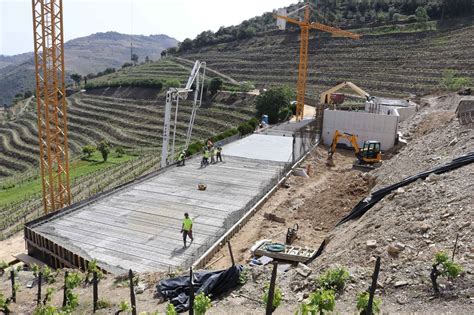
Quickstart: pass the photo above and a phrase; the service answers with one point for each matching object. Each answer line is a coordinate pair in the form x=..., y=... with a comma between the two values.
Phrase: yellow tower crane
x=51, y=103
x=305, y=25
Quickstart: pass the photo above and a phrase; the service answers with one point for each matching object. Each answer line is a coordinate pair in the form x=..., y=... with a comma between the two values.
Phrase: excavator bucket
x=330, y=162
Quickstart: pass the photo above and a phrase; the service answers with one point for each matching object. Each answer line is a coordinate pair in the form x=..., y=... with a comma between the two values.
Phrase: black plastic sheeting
x=212, y=283
x=364, y=205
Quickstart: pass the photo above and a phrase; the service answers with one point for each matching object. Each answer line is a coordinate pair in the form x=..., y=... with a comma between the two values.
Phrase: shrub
x=104, y=149
x=170, y=310
x=285, y=114
x=72, y=300
x=124, y=307
x=245, y=128
x=88, y=150
x=448, y=269
x=119, y=151
x=202, y=303
x=103, y=303
x=4, y=304
x=243, y=276
x=451, y=81
x=333, y=279
x=253, y=122
x=276, y=296
x=320, y=301
x=91, y=268
x=363, y=302
x=215, y=85
x=171, y=83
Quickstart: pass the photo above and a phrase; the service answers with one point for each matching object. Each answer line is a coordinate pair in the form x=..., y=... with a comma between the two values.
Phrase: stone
x=424, y=227
x=446, y=215
x=393, y=250
x=453, y=142
x=303, y=270
x=400, y=284
x=401, y=299
x=140, y=288
x=371, y=244
x=400, y=246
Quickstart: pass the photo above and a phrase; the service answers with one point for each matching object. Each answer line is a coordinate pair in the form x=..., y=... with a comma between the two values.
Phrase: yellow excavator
x=369, y=157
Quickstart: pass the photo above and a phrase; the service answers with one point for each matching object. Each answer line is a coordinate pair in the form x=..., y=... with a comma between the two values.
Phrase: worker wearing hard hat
x=218, y=153
x=182, y=158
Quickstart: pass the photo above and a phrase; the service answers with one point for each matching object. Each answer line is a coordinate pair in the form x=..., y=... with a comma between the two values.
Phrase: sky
x=177, y=18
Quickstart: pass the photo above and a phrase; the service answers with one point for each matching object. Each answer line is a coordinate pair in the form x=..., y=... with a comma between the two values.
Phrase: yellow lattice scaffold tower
x=51, y=103
x=306, y=25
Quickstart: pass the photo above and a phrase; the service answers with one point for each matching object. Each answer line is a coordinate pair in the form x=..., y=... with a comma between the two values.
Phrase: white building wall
x=365, y=125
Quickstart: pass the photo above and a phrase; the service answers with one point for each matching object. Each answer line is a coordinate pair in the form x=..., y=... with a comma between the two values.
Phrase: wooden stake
x=12, y=278
x=271, y=290
x=132, y=293
x=231, y=254
x=191, y=291
x=40, y=279
x=66, y=274
x=373, y=286
x=95, y=293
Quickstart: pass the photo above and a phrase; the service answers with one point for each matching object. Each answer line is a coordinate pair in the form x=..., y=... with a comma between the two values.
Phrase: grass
x=78, y=168
x=404, y=28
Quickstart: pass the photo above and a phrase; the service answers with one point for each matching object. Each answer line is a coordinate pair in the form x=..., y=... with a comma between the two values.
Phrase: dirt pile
x=413, y=223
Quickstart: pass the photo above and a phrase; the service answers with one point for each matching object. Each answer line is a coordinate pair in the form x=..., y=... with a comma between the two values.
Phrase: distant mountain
x=84, y=55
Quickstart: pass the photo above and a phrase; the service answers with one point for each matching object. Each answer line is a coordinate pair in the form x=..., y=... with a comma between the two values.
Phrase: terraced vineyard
x=164, y=70
x=136, y=124
x=385, y=65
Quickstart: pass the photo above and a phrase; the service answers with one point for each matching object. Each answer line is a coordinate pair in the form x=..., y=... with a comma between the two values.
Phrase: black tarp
x=364, y=205
x=212, y=283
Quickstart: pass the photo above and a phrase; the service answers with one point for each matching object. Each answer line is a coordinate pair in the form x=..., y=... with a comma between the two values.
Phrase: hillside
x=84, y=55
x=398, y=64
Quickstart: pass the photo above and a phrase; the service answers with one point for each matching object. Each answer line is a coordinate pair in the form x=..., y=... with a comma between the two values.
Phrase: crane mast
x=51, y=103
x=306, y=25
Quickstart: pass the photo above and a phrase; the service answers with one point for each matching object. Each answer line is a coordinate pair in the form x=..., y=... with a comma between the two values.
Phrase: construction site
x=307, y=168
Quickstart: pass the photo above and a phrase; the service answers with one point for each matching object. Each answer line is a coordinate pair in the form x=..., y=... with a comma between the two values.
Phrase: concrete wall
x=365, y=125
x=402, y=112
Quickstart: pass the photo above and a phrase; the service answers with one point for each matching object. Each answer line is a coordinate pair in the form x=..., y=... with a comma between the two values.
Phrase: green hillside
x=85, y=55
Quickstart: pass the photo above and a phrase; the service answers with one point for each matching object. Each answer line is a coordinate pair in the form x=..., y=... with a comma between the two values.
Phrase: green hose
x=275, y=247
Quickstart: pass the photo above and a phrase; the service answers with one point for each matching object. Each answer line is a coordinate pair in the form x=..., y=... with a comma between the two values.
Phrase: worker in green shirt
x=187, y=228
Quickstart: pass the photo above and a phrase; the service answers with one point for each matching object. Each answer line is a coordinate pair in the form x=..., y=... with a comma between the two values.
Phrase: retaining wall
x=366, y=126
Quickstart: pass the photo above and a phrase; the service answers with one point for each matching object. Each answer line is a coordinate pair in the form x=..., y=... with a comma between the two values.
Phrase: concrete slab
x=138, y=226
x=262, y=147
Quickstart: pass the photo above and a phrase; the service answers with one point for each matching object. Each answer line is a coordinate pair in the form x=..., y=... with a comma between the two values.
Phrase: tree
x=163, y=53
x=187, y=44
x=76, y=78
x=104, y=149
x=134, y=58
x=88, y=150
x=147, y=59
x=421, y=15
x=273, y=101
x=215, y=85
x=127, y=64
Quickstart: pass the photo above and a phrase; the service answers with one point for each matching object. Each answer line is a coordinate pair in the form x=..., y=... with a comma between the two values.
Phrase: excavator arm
x=326, y=95
x=349, y=137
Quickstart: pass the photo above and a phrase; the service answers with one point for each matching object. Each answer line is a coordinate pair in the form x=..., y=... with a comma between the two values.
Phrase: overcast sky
x=176, y=18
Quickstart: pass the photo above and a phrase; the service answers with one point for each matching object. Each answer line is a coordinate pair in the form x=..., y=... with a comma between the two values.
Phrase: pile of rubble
x=410, y=225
